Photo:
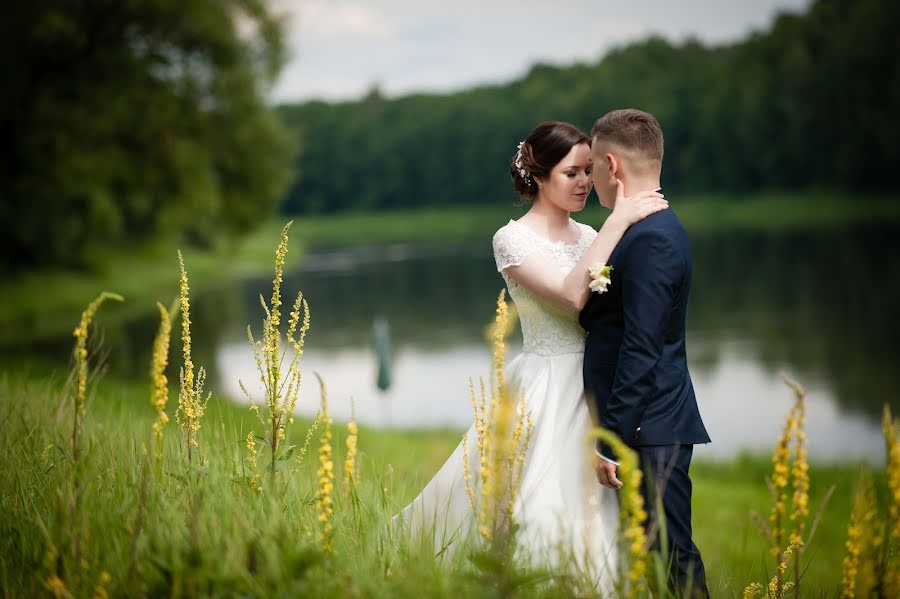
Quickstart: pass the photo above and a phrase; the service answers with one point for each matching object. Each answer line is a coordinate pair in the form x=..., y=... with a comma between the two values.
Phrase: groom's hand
x=606, y=473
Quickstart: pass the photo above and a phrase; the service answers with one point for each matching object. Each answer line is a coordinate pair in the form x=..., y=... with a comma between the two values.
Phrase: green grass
x=732, y=545
x=213, y=536
x=175, y=529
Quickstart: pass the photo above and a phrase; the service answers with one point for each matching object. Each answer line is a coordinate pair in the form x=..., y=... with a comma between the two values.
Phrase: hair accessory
x=520, y=166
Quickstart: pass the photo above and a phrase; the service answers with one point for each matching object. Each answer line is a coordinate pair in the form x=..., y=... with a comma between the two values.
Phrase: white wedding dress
x=562, y=511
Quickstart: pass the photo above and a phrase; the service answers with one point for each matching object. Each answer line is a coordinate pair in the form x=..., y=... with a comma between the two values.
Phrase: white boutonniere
x=600, y=277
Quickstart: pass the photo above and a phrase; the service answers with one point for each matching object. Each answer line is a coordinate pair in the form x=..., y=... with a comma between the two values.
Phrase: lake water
x=819, y=306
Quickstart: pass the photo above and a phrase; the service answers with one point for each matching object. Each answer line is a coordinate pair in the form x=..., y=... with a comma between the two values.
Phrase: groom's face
x=604, y=173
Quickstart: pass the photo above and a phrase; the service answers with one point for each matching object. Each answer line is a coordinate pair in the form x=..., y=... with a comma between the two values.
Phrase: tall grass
x=94, y=517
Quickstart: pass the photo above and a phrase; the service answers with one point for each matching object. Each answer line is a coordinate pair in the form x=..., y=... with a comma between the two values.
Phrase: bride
x=544, y=258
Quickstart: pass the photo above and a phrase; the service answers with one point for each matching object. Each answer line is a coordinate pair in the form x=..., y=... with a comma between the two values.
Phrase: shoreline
x=46, y=303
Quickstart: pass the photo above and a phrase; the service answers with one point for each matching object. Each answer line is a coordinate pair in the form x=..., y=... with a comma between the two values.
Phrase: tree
x=133, y=117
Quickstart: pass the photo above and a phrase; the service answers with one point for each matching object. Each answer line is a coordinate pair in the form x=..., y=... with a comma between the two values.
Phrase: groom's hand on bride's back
x=606, y=473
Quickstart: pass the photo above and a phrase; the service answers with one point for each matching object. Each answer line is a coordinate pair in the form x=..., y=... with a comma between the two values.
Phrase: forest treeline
x=812, y=102
x=127, y=121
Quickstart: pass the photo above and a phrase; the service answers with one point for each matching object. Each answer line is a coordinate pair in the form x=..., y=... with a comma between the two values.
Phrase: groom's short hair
x=633, y=130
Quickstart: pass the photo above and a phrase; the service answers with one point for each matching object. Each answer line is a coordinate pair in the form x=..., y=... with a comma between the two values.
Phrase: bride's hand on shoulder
x=638, y=206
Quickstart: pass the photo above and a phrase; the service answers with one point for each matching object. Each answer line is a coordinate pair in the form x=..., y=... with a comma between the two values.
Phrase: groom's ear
x=614, y=166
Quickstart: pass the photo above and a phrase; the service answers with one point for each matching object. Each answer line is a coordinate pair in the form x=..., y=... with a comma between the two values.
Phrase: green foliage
x=808, y=103
x=124, y=119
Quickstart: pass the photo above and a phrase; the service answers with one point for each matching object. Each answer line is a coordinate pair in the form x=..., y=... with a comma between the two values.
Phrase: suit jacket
x=635, y=365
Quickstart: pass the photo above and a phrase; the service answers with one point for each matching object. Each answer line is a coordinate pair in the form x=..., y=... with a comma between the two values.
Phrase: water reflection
x=743, y=404
x=432, y=297
x=823, y=305
x=816, y=305
x=819, y=305
x=430, y=390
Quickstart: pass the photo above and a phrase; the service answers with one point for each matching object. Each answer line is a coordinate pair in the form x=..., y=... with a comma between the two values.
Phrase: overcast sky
x=341, y=48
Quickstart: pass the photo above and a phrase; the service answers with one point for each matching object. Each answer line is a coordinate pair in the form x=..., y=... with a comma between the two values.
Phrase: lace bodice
x=546, y=328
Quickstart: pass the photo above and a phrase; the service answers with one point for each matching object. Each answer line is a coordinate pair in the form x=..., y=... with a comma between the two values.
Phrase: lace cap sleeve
x=511, y=246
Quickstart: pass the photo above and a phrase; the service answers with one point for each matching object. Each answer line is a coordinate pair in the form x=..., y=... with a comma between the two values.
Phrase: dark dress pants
x=665, y=470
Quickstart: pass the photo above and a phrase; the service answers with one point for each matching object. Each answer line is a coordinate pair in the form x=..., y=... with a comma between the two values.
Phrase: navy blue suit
x=635, y=370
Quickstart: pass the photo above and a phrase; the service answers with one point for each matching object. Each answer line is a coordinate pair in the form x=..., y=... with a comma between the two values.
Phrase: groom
x=635, y=368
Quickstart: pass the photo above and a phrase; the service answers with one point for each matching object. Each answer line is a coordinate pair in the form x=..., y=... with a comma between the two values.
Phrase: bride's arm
x=571, y=290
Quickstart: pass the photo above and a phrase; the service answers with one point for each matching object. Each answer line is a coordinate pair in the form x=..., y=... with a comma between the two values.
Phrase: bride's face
x=569, y=183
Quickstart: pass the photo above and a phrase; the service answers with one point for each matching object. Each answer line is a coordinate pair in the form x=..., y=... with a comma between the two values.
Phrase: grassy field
x=40, y=304
x=167, y=528
x=102, y=515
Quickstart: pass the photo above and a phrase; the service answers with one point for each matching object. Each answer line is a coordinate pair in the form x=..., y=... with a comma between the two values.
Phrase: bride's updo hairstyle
x=544, y=147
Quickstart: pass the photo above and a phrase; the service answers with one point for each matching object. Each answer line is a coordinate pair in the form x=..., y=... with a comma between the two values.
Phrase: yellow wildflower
x=862, y=540
x=790, y=468
x=478, y=410
x=324, y=503
x=781, y=459
x=891, y=428
x=102, y=583
x=503, y=429
x=500, y=332
x=159, y=384
x=253, y=481
x=191, y=406
x=80, y=355
x=777, y=587
x=632, y=513
x=754, y=590
x=350, y=462
x=467, y=473
x=57, y=587
x=800, y=469
x=892, y=445
x=309, y=433
x=281, y=386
